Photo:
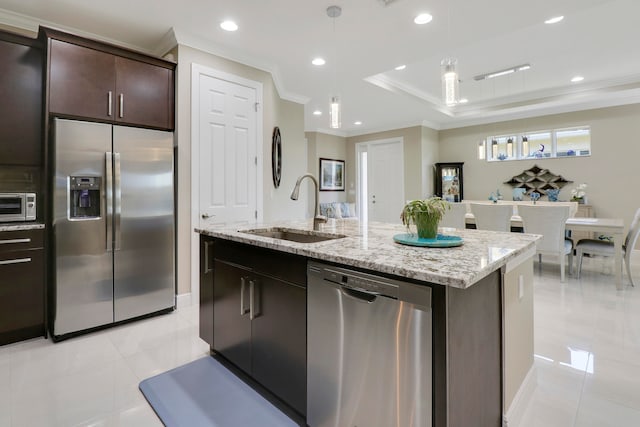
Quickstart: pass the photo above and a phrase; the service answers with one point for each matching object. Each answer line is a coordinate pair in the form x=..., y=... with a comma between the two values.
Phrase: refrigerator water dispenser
x=84, y=197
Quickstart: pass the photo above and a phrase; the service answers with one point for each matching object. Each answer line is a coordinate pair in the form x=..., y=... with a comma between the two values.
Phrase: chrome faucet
x=317, y=219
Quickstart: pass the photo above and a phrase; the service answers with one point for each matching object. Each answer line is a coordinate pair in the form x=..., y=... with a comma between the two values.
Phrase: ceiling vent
x=386, y=2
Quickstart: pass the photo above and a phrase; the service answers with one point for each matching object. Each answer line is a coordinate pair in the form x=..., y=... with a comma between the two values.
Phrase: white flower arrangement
x=579, y=192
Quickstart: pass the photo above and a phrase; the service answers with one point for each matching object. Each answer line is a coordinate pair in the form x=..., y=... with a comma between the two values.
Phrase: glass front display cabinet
x=448, y=177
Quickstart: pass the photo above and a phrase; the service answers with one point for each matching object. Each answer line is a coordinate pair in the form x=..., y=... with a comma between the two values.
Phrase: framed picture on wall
x=331, y=175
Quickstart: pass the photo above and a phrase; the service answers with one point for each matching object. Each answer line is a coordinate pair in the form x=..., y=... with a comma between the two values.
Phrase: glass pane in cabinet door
x=450, y=184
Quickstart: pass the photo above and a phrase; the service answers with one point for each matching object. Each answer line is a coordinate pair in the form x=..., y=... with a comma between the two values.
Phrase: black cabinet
x=278, y=337
x=231, y=313
x=21, y=285
x=259, y=316
x=88, y=79
x=21, y=101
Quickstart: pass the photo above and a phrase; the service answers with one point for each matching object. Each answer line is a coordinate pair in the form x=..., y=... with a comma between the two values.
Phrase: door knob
x=206, y=216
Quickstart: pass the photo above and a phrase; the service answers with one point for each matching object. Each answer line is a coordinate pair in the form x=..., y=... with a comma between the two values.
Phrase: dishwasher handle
x=361, y=296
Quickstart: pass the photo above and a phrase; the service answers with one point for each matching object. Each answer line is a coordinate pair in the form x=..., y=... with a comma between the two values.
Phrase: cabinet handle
x=15, y=261
x=110, y=103
x=121, y=105
x=207, y=267
x=9, y=241
x=254, y=304
x=243, y=310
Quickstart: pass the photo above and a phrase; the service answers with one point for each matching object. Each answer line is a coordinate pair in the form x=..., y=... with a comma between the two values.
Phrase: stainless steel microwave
x=17, y=207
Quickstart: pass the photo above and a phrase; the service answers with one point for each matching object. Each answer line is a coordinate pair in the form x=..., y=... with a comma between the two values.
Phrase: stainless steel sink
x=293, y=235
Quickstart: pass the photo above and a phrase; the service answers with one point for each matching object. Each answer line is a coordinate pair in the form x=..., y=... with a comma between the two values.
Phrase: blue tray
x=441, y=240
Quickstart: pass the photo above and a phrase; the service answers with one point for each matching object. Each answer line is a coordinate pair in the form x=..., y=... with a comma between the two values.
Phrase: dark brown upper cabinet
x=93, y=80
x=20, y=100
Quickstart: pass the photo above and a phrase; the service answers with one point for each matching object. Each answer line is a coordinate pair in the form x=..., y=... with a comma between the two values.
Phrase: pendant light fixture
x=449, y=71
x=334, y=112
x=450, y=86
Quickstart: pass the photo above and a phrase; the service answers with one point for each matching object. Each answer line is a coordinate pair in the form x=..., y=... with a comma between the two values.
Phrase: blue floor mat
x=204, y=393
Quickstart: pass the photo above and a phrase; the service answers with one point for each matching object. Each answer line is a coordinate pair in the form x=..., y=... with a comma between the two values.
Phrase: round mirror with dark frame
x=276, y=156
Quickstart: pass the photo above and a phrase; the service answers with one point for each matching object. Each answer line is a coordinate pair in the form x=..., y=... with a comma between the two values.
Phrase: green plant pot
x=427, y=226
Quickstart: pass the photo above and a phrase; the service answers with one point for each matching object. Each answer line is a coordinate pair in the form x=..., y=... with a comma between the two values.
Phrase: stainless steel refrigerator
x=113, y=224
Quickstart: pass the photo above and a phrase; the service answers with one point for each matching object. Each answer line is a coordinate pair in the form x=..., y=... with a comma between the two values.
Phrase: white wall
x=288, y=116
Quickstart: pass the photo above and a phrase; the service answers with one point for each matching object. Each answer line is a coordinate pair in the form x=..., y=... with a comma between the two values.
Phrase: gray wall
x=420, y=152
x=610, y=172
x=321, y=145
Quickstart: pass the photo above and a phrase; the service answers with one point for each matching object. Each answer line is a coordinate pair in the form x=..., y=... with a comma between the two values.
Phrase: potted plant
x=425, y=214
x=579, y=194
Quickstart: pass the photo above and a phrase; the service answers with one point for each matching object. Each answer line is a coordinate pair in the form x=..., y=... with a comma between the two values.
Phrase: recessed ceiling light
x=577, y=79
x=318, y=61
x=358, y=123
x=554, y=20
x=317, y=113
x=229, y=26
x=401, y=67
x=463, y=101
x=423, y=18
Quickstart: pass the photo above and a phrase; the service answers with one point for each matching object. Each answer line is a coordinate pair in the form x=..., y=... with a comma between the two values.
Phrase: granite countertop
x=19, y=226
x=371, y=246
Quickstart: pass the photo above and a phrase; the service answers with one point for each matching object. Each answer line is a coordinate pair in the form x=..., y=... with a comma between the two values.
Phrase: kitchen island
x=482, y=305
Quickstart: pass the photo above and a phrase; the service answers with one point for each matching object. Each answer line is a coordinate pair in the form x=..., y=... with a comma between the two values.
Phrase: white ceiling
x=597, y=39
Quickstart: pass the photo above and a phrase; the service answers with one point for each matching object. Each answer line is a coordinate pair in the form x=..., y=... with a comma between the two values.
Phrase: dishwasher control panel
x=360, y=281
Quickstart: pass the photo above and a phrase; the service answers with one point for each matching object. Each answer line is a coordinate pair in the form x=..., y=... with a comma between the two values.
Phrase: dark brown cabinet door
x=81, y=81
x=20, y=104
x=231, y=322
x=206, y=289
x=144, y=94
x=279, y=343
x=21, y=295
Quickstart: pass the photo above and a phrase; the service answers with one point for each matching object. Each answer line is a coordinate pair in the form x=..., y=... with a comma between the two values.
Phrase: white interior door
x=227, y=150
x=382, y=180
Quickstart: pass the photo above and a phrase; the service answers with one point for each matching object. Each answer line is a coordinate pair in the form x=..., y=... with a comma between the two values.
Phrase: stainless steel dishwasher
x=369, y=360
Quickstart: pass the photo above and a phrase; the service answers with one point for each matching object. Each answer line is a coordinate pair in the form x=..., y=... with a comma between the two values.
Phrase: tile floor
x=587, y=346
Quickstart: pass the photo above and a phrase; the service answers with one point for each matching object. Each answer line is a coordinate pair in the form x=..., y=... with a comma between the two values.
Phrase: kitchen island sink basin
x=292, y=234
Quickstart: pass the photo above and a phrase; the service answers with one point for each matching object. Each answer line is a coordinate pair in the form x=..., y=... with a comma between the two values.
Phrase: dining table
x=607, y=226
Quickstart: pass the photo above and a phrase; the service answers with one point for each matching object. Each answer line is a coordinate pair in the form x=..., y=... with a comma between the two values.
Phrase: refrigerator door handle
x=108, y=166
x=118, y=200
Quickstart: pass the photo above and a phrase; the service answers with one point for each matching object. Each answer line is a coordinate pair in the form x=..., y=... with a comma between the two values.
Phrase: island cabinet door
x=231, y=319
x=279, y=339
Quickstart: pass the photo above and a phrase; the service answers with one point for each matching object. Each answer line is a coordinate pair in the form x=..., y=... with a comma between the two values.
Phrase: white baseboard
x=514, y=414
x=183, y=300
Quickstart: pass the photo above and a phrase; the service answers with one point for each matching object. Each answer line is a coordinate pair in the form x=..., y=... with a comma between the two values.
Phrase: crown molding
x=201, y=43
x=326, y=131
x=167, y=42
x=29, y=23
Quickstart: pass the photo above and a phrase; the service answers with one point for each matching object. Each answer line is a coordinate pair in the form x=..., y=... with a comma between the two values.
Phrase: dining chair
x=605, y=248
x=455, y=217
x=494, y=217
x=549, y=221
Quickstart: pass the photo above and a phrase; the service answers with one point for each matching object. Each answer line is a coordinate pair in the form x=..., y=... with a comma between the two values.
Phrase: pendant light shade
x=450, y=82
x=334, y=112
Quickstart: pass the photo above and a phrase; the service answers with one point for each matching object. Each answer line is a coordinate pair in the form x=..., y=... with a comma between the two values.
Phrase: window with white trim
x=541, y=144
